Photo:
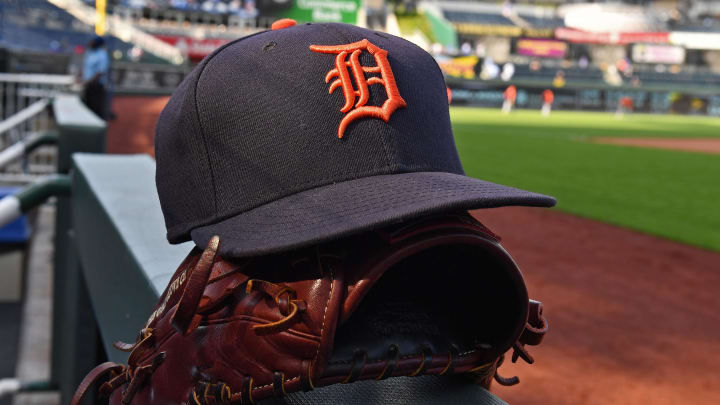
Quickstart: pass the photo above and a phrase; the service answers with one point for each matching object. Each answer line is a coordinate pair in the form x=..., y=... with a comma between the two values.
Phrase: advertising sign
x=463, y=66
x=621, y=38
x=669, y=54
x=194, y=48
x=323, y=11
x=542, y=48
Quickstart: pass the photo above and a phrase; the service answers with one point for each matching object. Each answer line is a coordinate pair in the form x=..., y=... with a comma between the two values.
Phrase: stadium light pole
x=100, y=17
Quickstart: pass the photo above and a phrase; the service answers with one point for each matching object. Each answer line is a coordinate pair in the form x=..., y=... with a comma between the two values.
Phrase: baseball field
x=575, y=157
x=627, y=265
x=629, y=278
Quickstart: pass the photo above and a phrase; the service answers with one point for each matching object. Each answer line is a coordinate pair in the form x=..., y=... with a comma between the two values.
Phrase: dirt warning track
x=700, y=145
x=634, y=319
x=133, y=131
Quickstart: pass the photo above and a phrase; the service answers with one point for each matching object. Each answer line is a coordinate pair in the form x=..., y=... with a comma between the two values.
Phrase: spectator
x=235, y=6
x=583, y=62
x=508, y=71
x=96, y=65
x=535, y=65
x=559, y=80
x=612, y=76
x=489, y=70
x=180, y=4
x=248, y=10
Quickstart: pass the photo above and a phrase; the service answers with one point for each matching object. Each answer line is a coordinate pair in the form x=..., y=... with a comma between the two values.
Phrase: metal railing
x=24, y=115
x=121, y=29
x=192, y=23
x=77, y=129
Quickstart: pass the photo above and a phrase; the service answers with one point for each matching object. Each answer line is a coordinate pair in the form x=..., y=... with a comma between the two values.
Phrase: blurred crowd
x=244, y=8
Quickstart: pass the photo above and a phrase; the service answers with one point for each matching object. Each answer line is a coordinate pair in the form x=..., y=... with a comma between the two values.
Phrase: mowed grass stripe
x=581, y=124
x=668, y=193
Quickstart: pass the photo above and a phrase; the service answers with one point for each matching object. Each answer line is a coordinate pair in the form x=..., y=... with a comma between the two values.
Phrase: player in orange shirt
x=625, y=105
x=509, y=97
x=547, y=99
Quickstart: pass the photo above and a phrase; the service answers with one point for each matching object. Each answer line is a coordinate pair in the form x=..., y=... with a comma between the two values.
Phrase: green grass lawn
x=668, y=193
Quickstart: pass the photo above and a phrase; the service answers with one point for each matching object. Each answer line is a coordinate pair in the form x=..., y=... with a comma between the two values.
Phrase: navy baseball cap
x=308, y=133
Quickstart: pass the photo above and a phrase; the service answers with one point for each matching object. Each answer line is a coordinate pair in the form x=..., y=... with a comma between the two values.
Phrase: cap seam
x=200, y=121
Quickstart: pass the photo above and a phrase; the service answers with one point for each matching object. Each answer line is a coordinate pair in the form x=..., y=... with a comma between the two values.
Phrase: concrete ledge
x=120, y=239
x=127, y=263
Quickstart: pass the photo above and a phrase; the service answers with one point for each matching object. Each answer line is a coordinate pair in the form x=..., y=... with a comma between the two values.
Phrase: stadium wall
x=600, y=98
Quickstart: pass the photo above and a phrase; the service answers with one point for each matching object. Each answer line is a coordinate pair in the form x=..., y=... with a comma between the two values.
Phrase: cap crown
x=262, y=118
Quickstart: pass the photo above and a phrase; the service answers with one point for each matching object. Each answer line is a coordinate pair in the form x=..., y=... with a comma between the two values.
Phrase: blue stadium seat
x=37, y=25
x=538, y=22
x=476, y=18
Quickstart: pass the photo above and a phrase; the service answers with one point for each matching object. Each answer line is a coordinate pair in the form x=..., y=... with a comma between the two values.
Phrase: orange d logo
x=356, y=110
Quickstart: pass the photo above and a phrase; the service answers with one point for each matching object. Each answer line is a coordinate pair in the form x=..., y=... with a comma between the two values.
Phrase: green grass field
x=668, y=193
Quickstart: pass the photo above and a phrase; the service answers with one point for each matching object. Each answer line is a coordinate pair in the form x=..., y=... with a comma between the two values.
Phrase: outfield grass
x=668, y=193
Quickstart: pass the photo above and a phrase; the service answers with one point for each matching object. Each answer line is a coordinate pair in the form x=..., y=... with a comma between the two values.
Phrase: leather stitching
x=327, y=304
x=270, y=385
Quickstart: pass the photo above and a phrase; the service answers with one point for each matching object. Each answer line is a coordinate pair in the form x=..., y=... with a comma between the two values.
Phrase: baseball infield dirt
x=634, y=319
x=702, y=145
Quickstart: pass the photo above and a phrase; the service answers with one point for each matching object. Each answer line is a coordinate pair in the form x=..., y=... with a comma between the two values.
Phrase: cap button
x=283, y=23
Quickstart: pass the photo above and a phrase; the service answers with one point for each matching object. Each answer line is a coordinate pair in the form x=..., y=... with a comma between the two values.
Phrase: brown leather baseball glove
x=438, y=295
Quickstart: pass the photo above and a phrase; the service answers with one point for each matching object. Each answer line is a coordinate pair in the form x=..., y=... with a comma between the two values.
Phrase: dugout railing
x=27, y=124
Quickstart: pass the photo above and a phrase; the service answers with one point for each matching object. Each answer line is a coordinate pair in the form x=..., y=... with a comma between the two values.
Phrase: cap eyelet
x=269, y=46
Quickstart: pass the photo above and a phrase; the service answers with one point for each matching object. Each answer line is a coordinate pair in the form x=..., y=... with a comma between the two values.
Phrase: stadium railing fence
x=25, y=119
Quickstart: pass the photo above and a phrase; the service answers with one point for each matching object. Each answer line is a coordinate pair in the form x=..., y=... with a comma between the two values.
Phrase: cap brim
x=341, y=209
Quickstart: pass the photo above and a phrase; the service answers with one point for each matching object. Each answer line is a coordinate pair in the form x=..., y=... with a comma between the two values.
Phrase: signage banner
x=502, y=30
x=192, y=47
x=696, y=40
x=463, y=66
x=344, y=11
x=543, y=48
x=619, y=38
x=484, y=29
x=669, y=54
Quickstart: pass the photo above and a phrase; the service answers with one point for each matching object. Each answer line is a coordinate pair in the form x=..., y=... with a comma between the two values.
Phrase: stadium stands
x=245, y=8
x=476, y=18
x=542, y=22
x=37, y=25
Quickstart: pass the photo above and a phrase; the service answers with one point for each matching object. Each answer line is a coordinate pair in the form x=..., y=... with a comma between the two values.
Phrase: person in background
x=583, y=62
x=547, y=99
x=489, y=69
x=509, y=97
x=508, y=71
x=625, y=105
x=96, y=65
x=249, y=10
x=559, y=79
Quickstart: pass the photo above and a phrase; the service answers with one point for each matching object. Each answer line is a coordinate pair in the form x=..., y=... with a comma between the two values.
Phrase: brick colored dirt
x=133, y=131
x=702, y=145
x=634, y=319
